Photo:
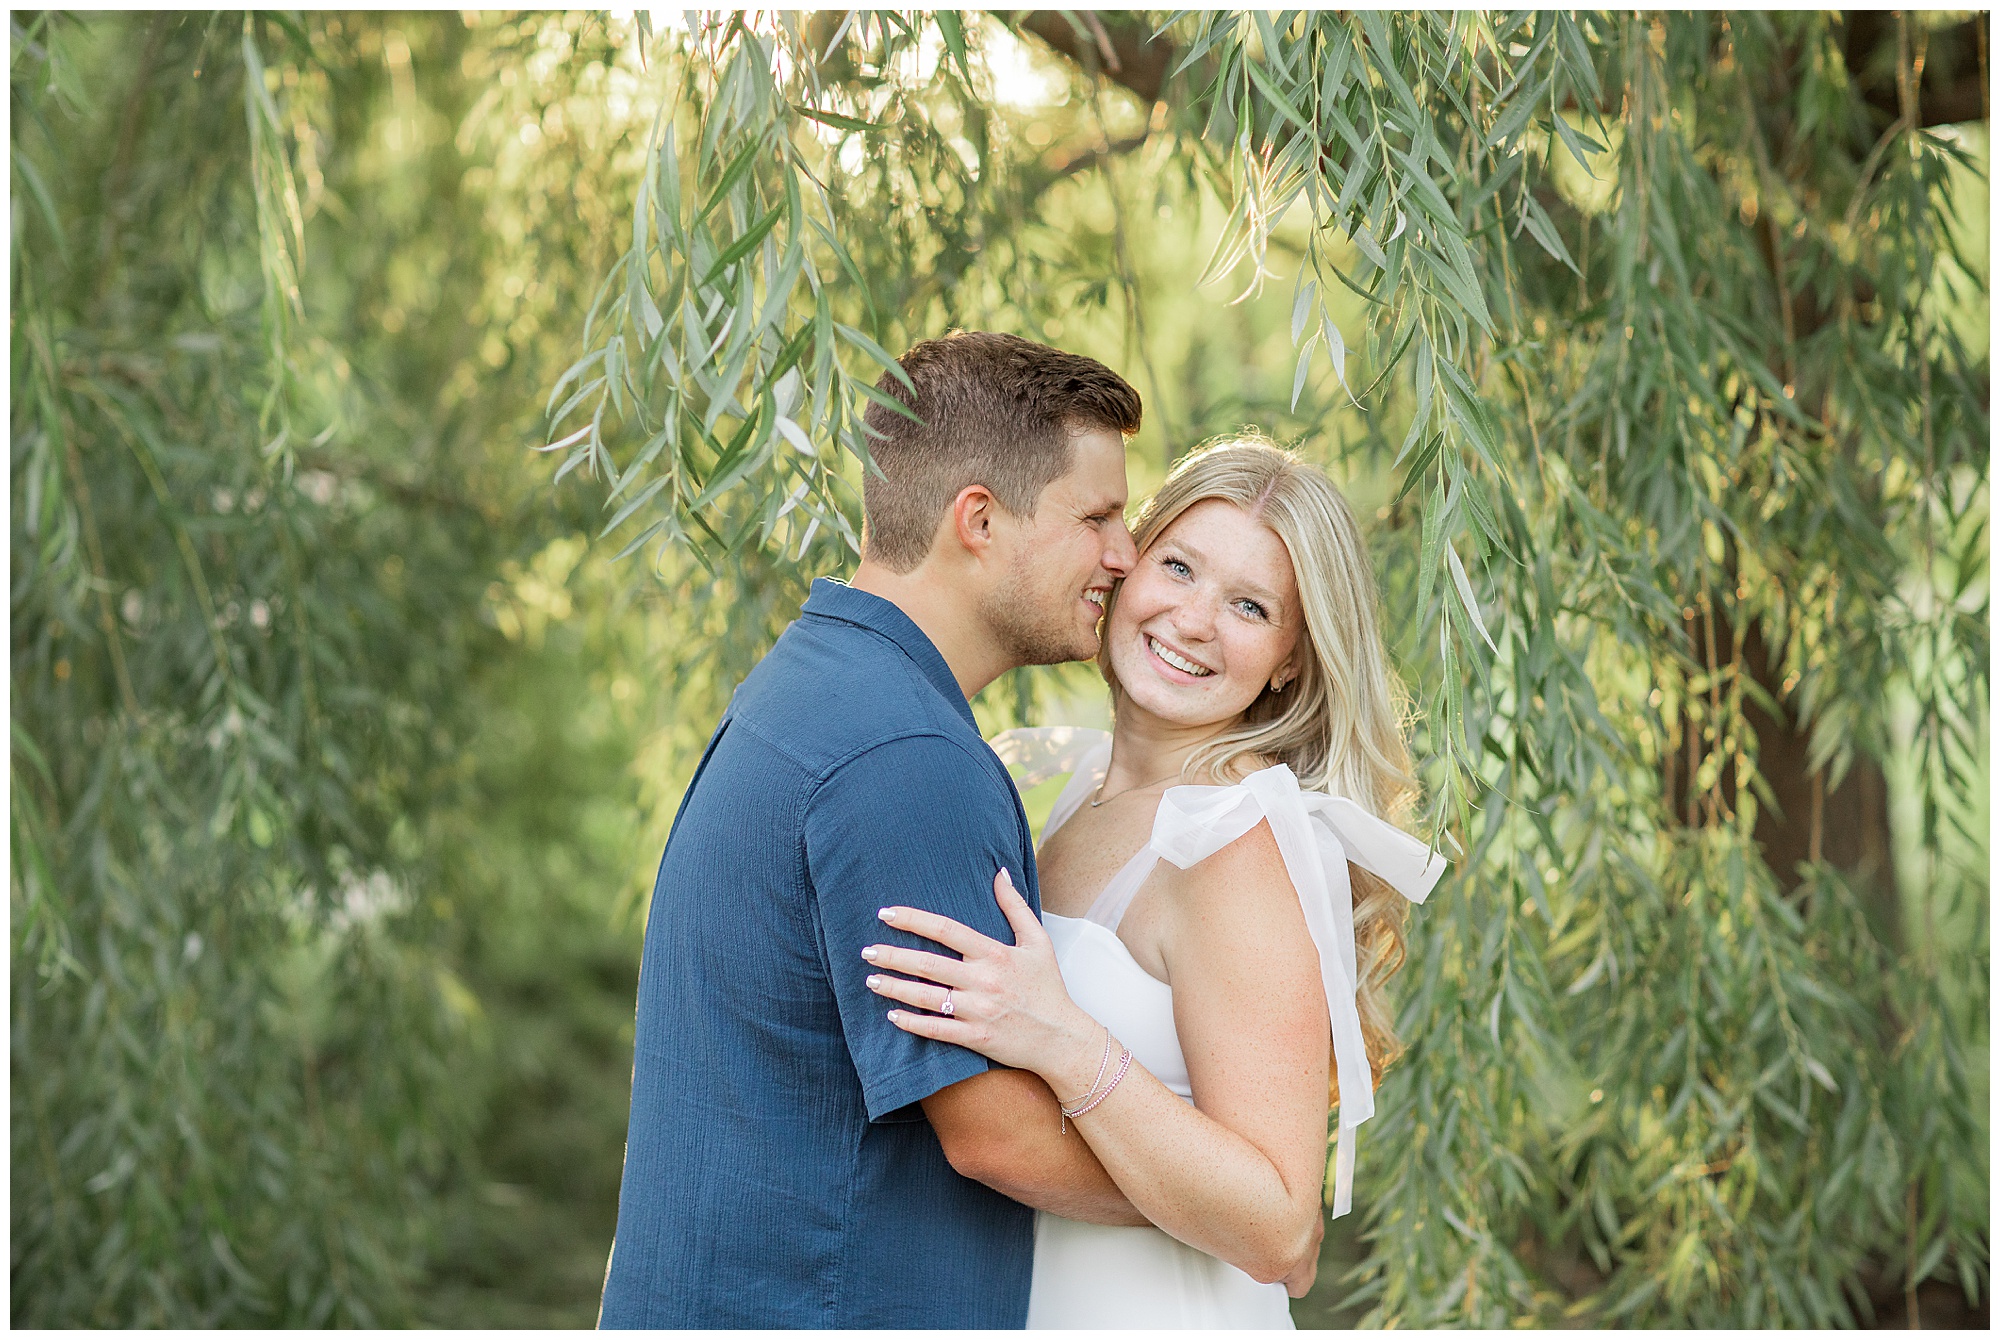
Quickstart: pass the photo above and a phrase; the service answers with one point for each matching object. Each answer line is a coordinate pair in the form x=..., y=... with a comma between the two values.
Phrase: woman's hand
x=1300, y=1282
x=1006, y=1002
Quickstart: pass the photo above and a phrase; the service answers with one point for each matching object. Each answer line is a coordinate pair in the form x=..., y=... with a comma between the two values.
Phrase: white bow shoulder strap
x=1317, y=836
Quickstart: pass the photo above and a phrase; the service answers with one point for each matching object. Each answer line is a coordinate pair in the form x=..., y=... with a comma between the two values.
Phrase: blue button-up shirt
x=777, y=1169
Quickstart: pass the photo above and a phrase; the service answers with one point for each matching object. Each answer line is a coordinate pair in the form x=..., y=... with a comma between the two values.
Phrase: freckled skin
x=1216, y=588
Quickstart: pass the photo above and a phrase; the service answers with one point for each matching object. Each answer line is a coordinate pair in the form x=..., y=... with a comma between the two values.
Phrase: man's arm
x=1002, y=1128
x=921, y=821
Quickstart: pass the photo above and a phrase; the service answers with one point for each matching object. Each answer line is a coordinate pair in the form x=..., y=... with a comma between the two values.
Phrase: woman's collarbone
x=1080, y=859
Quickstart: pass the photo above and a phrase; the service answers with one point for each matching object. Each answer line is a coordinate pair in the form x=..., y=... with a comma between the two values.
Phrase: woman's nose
x=1194, y=617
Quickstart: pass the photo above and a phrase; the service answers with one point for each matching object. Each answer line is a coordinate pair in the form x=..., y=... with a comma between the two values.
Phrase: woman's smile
x=1184, y=668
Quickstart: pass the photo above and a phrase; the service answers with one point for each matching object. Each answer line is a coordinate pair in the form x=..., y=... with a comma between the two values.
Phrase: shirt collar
x=832, y=598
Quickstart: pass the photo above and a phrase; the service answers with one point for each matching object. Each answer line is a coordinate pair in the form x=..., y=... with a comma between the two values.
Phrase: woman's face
x=1208, y=617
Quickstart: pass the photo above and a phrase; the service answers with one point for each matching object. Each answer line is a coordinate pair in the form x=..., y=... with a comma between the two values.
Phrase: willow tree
x=1642, y=339
x=1687, y=541
x=278, y=305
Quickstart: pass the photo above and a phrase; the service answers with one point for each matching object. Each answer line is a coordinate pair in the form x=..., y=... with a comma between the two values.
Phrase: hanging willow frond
x=1683, y=466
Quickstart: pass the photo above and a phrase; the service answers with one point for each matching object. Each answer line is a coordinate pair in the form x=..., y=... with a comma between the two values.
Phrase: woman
x=1199, y=907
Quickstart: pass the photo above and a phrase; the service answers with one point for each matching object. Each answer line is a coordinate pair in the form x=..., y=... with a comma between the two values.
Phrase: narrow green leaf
x=836, y=120
x=1276, y=99
x=847, y=264
x=666, y=181
x=743, y=245
x=1302, y=306
x=1365, y=239
x=887, y=401
x=1362, y=170
x=778, y=294
x=1274, y=46
x=738, y=168
x=1381, y=52
x=1425, y=387
x=1543, y=229
x=1336, y=353
x=1480, y=508
x=638, y=500
x=1420, y=465
x=876, y=352
x=1578, y=59
x=1581, y=146
x=648, y=533
x=45, y=203
x=1304, y=367
x=1425, y=193
x=736, y=461
x=952, y=29
x=1512, y=118
x=647, y=454
x=1455, y=273
x=1213, y=33
x=1428, y=554
x=583, y=392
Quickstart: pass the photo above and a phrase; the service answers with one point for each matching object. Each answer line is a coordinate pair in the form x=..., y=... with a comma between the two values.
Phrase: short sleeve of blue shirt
x=918, y=821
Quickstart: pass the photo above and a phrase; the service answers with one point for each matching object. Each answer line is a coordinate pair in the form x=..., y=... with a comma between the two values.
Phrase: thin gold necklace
x=1102, y=799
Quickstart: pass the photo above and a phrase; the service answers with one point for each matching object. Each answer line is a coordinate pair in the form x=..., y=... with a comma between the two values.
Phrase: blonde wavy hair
x=1339, y=724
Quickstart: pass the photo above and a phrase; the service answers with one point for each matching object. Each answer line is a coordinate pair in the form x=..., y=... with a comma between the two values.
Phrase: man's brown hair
x=997, y=410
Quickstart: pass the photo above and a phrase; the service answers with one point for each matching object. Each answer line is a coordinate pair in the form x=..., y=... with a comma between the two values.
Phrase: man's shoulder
x=830, y=692
x=921, y=769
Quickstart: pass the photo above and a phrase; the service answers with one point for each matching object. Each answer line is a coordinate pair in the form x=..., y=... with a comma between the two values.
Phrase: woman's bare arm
x=1237, y=1176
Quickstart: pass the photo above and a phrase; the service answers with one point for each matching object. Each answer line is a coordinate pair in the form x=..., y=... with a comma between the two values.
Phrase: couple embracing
x=895, y=1068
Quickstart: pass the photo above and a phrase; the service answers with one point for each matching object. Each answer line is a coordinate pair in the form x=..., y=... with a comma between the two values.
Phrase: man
x=793, y=1158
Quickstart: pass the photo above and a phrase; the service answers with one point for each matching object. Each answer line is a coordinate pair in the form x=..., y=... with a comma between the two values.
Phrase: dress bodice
x=1108, y=983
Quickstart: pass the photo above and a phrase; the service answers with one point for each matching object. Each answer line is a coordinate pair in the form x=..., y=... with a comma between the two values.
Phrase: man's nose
x=1120, y=554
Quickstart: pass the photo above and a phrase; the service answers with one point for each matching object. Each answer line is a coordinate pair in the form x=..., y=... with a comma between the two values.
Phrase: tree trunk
x=1847, y=825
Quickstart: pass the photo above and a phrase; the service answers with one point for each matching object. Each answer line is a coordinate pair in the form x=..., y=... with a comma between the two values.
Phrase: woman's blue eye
x=1175, y=566
x=1253, y=609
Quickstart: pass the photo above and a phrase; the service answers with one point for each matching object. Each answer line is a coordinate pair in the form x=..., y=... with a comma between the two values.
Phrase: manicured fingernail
x=1006, y=875
x=874, y=980
x=895, y=1015
x=887, y=914
x=872, y=952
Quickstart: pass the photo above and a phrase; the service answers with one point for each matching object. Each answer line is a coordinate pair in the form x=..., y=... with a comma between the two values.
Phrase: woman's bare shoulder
x=1246, y=875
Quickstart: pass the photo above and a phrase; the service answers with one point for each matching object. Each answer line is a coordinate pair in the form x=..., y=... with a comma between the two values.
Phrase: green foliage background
x=343, y=744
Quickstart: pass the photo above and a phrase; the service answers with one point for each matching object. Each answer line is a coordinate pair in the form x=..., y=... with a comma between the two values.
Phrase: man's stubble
x=1035, y=625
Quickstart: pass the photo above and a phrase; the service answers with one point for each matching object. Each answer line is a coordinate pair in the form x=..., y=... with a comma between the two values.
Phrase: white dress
x=1097, y=1276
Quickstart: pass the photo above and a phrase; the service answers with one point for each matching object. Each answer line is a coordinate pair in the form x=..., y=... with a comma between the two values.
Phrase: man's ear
x=973, y=513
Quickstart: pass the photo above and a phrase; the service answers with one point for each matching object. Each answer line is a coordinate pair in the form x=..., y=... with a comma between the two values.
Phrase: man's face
x=1047, y=606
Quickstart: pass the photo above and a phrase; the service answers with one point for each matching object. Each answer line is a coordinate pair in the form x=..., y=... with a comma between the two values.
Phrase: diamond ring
x=945, y=1009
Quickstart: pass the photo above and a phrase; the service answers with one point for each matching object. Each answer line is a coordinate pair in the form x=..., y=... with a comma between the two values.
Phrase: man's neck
x=948, y=616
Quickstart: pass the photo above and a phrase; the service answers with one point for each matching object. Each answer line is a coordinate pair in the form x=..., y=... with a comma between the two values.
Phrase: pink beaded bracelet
x=1091, y=1100
x=1102, y=1062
